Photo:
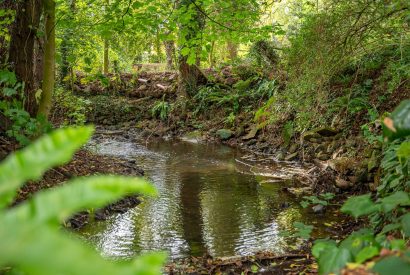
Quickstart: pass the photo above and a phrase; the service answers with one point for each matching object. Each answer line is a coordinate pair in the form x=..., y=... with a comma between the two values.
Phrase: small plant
x=323, y=199
x=72, y=108
x=23, y=127
x=230, y=120
x=161, y=109
x=31, y=235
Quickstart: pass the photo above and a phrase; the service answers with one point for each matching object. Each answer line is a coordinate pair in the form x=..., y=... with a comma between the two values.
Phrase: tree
x=24, y=34
x=49, y=59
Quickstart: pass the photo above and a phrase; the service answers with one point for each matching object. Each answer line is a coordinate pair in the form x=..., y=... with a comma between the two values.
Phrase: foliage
x=388, y=213
x=31, y=236
x=72, y=108
x=161, y=109
x=23, y=127
x=323, y=199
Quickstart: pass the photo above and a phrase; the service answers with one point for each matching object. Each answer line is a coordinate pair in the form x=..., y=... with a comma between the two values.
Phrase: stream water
x=209, y=202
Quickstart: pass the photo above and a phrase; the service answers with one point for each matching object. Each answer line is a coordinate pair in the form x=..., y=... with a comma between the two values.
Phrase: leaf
x=392, y=265
x=358, y=240
x=79, y=194
x=405, y=224
x=48, y=252
x=333, y=259
x=9, y=91
x=394, y=200
x=359, y=206
x=404, y=150
x=367, y=253
x=398, y=125
x=322, y=245
x=303, y=230
x=8, y=77
x=31, y=162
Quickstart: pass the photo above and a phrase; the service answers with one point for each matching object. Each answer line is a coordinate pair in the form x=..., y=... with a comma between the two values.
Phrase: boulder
x=224, y=134
x=252, y=133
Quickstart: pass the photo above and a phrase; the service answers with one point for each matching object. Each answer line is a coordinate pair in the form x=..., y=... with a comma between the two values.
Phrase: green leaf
x=31, y=162
x=391, y=202
x=9, y=91
x=8, y=77
x=333, y=259
x=358, y=240
x=79, y=194
x=405, y=224
x=367, y=253
x=302, y=230
x=322, y=245
x=392, y=265
x=41, y=251
x=398, y=125
x=404, y=150
x=359, y=206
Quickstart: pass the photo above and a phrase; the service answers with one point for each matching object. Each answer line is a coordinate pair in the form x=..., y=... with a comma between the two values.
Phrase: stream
x=209, y=201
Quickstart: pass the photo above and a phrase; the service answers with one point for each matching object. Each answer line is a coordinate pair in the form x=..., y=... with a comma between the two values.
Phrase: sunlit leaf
x=359, y=206
x=79, y=194
x=31, y=162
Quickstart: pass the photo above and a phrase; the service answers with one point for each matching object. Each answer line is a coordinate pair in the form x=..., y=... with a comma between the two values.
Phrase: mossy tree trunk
x=49, y=59
x=23, y=36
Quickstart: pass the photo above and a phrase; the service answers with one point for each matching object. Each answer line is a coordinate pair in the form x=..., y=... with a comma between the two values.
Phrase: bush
x=31, y=237
x=73, y=109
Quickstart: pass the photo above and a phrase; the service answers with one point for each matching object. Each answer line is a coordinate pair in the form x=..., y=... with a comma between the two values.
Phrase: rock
x=343, y=165
x=293, y=148
x=308, y=136
x=224, y=134
x=318, y=209
x=252, y=134
x=342, y=184
x=291, y=157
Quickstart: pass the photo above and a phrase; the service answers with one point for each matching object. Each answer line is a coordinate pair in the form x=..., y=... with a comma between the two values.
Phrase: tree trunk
x=190, y=76
x=49, y=59
x=21, y=52
x=170, y=52
x=106, y=57
x=4, y=43
x=232, y=50
x=106, y=47
x=66, y=45
x=212, y=56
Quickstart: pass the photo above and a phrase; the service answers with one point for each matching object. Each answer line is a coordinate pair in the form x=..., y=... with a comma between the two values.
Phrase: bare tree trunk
x=212, y=56
x=232, y=50
x=106, y=56
x=49, y=59
x=66, y=45
x=170, y=52
x=21, y=52
x=106, y=48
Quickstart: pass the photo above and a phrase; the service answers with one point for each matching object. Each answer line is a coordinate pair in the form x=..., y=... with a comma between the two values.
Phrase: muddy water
x=208, y=203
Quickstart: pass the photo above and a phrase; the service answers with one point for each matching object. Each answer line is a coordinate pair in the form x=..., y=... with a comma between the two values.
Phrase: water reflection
x=206, y=204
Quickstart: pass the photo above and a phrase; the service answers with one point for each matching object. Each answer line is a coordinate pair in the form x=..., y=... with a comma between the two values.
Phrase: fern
x=31, y=238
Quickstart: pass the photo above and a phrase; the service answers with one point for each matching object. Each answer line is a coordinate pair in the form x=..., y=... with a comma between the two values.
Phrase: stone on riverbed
x=224, y=134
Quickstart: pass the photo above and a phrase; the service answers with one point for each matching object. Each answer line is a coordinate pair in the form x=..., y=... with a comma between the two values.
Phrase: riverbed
x=212, y=199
